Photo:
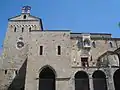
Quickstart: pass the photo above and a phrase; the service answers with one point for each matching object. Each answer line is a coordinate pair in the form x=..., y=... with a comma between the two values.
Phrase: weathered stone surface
x=20, y=66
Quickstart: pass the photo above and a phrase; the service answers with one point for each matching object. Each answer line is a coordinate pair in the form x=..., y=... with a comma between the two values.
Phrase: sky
x=99, y=16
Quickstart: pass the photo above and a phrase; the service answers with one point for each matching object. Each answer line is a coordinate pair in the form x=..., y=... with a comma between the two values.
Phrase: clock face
x=20, y=44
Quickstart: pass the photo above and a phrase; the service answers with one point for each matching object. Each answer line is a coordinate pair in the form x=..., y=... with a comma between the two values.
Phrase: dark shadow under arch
x=50, y=67
x=81, y=81
x=116, y=78
x=47, y=79
x=99, y=80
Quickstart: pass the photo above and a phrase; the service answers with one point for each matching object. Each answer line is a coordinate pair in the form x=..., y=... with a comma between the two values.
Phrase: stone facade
x=22, y=63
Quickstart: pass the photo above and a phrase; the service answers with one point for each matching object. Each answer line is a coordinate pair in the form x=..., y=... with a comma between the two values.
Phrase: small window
x=5, y=71
x=22, y=29
x=84, y=62
x=16, y=72
x=41, y=50
x=111, y=44
x=59, y=50
x=87, y=42
x=15, y=29
x=91, y=58
x=30, y=29
x=93, y=44
x=24, y=17
x=20, y=38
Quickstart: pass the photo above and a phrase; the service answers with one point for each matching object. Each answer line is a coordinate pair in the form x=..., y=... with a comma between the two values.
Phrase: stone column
x=111, y=84
x=110, y=80
x=91, y=83
x=71, y=84
x=57, y=85
x=37, y=81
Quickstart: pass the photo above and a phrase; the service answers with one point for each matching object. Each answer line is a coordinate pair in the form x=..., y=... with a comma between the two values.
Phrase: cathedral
x=38, y=59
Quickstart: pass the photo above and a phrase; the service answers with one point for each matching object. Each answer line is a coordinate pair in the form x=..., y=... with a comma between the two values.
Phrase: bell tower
x=26, y=10
x=17, y=37
x=15, y=47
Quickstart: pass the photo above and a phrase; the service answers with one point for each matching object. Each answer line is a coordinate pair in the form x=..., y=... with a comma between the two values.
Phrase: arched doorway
x=47, y=79
x=81, y=81
x=116, y=78
x=99, y=80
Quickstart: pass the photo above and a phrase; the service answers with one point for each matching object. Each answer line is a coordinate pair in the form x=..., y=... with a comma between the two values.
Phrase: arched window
x=5, y=71
x=99, y=80
x=87, y=42
x=16, y=72
x=15, y=29
x=116, y=78
x=93, y=44
x=47, y=79
x=41, y=50
x=111, y=45
x=81, y=81
x=30, y=29
x=22, y=29
x=59, y=50
x=24, y=17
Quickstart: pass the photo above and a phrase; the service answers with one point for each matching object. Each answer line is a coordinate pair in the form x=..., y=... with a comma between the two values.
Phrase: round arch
x=110, y=53
x=99, y=80
x=116, y=78
x=81, y=74
x=47, y=78
x=50, y=67
x=81, y=81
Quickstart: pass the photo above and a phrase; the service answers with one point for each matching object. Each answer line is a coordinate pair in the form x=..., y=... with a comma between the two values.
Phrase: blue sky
x=75, y=15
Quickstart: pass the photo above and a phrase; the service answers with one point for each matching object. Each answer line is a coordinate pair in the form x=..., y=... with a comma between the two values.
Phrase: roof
x=94, y=33
x=37, y=18
x=50, y=31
